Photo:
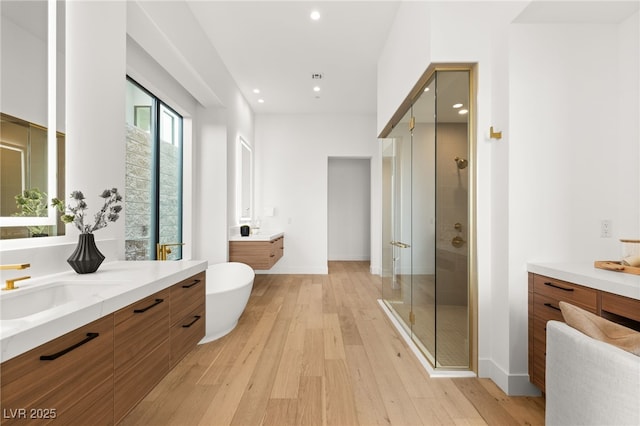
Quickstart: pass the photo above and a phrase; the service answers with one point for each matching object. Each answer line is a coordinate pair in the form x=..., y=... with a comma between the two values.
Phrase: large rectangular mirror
x=32, y=116
x=244, y=184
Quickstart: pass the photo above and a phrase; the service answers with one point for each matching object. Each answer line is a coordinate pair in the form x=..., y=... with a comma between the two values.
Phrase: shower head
x=461, y=162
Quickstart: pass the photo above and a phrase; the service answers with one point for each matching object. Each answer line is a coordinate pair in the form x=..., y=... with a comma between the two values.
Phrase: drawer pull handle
x=196, y=318
x=549, y=305
x=191, y=285
x=90, y=336
x=156, y=303
x=558, y=286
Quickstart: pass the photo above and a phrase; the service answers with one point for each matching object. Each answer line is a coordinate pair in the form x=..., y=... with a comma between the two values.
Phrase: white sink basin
x=21, y=303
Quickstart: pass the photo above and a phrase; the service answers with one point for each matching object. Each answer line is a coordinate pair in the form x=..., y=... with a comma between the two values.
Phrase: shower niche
x=428, y=261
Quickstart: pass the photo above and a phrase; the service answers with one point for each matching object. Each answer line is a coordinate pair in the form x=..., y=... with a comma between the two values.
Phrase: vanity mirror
x=32, y=115
x=244, y=181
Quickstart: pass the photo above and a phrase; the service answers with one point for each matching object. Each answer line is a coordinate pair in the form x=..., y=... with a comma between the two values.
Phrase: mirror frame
x=242, y=176
x=52, y=184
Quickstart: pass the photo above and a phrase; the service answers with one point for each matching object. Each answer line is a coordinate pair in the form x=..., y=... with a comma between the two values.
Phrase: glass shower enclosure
x=426, y=250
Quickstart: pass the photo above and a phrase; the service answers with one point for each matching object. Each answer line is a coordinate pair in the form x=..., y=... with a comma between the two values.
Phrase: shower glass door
x=396, y=246
x=424, y=222
x=425, y=249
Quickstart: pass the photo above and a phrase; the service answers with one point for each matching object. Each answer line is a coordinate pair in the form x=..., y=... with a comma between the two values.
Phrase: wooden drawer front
x=620, y=305
x=185, y=294
x=540, y=334
x=539, y=365
x=256, y=254
x=279, y=249
x=97, y=411
x=140, y=327
x=141, y=354
x=546, y=308
x=567, y=292
x=132, y=385
x=540, y=345
x=67, y=384
x=186, y=333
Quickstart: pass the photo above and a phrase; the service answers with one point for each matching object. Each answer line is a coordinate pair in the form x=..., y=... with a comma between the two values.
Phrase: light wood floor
x=318, y=350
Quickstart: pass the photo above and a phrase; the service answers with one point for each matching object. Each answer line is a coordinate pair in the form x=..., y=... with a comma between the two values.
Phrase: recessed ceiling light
x=256, y=90
x=260, y=101
x=316, y=89
x=463, y=111
x=315, y=15
x=426, y=89
x=457, y=105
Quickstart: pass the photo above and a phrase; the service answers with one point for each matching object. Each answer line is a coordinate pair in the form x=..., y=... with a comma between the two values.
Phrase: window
x=153, y=198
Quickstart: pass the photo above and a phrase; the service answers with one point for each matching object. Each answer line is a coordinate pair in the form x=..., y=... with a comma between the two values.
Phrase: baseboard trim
x=511, y=384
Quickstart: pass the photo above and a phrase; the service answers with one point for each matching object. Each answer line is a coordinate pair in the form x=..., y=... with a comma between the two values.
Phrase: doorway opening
x=349, y=209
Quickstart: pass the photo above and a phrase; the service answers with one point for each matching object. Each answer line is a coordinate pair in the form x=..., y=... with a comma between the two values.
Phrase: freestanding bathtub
x=228, y=289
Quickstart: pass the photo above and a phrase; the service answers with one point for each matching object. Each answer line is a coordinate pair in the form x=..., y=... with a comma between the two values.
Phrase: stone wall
x=137, y=200
x=139, y=169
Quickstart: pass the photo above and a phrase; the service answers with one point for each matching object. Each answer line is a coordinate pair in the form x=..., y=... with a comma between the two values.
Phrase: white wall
x=513, y=226
x=95, y=139
x=349, y=196
x=292, y=152
x=572, y=154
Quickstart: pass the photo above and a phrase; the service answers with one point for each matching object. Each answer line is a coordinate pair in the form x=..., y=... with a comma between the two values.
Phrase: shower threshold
x=433, y=372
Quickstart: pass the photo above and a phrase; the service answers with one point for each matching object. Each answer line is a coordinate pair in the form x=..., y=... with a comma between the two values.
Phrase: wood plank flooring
x=318, y=350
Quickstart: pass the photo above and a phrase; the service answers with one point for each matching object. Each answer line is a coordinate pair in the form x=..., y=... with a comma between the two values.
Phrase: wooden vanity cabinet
x=187, y=316
x=257, y=254
x=141, y=354
x=545, y=293
x=68, y=380
x=97, y=373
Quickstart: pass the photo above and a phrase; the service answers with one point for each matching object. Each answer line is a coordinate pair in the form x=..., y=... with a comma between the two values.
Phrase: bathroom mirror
x=244, y=181
x=32, y=107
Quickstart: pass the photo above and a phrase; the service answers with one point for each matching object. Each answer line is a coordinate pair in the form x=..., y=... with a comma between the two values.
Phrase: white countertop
x=131, y=282
x=584, y=273
x=262, y=236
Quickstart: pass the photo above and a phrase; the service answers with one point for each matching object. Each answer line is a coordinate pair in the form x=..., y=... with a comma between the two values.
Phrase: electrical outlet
x=605, y=229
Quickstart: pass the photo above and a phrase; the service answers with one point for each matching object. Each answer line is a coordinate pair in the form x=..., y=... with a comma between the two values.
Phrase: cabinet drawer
x=132, y=385
x=620, y=306
x=185, y=294
x=186, y=333
x=98, y=410
x=567, y=292
x=539, y=366
x=546, y=308
x=68, y=379
x=140, y=327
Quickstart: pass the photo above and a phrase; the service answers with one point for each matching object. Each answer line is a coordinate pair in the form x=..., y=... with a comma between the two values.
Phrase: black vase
x=86, y=258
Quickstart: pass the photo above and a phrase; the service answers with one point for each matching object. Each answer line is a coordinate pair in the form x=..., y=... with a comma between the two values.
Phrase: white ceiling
x=578, y=12
x=275, y=46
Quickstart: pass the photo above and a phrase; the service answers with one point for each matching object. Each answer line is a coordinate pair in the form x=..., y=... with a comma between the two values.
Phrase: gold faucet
x=10, y=284
x=162, y=250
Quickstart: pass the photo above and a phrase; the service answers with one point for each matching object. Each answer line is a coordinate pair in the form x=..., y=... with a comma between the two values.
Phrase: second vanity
x=611, y=295
x=91, y=360
x=260, y=251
